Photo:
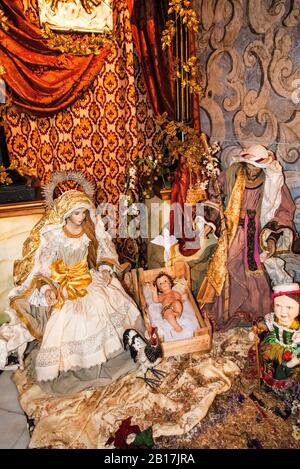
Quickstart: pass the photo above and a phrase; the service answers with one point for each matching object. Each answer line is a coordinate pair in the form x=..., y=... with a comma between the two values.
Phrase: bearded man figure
x=256, y=232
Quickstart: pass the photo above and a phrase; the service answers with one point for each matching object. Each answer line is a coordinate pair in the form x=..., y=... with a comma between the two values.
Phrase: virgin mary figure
x=68, y=296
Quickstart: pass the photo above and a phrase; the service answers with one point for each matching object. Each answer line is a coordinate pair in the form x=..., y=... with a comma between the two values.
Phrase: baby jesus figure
x=171, y=300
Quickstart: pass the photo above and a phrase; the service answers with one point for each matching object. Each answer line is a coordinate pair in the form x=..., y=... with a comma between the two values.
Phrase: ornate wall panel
x=250, y=56
x=101, y=133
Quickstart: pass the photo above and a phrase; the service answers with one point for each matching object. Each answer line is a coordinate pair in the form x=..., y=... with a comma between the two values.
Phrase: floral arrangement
x=200, y=159
x=186, y=71
x=154, y=170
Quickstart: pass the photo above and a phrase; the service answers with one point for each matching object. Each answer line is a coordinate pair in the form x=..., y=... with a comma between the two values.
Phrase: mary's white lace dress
x=86, y=331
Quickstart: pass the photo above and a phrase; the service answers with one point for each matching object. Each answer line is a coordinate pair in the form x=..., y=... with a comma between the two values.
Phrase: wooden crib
x=202, y=338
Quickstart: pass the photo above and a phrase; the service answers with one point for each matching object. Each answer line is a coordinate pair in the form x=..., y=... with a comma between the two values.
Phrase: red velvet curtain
x=148, y=20
x=44, y=81
x=39, y=79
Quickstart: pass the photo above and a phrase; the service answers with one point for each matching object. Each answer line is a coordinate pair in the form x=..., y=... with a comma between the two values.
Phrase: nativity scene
x=149, y=212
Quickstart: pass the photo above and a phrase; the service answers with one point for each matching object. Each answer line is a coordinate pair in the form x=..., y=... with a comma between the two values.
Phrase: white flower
x=132, y=172
x=209, y=167
x=134, y=210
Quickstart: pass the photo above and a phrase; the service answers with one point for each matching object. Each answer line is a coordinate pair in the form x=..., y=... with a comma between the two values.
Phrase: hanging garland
x=183, y=9
x=77, y=44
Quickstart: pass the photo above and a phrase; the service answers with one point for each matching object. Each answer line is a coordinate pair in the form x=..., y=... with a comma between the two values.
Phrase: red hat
x=286, y=289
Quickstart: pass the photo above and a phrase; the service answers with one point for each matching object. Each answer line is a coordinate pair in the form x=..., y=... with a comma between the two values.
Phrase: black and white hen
x=146, y=352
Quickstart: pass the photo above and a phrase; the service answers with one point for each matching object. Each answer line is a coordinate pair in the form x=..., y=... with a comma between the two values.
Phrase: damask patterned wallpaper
x=101, y=133
x=250, y=56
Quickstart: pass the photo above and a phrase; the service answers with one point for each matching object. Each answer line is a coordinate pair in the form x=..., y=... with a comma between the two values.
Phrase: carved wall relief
x=250, y=56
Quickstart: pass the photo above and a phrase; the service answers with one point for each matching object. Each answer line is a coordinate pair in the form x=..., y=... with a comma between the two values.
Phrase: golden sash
x=74, y=279
x=214, y=280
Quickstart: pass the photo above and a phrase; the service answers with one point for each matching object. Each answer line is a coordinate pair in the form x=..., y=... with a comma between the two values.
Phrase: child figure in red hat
x=279, y=350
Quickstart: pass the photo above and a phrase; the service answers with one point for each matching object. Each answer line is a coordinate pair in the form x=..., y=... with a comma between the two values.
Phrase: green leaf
x=144, y=438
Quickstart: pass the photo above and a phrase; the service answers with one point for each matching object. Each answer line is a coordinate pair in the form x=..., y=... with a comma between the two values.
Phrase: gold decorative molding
x=22, y=208
x=75, y=44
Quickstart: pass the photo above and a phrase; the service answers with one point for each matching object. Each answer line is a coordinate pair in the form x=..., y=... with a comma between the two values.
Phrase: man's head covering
x=261, y=157
x=257, y=154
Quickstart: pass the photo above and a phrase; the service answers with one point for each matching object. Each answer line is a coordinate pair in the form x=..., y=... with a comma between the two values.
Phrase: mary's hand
x=105, y=276
x=50, y=297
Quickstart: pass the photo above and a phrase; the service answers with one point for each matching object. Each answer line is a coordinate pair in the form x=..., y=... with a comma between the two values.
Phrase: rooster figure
x=147, y=353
